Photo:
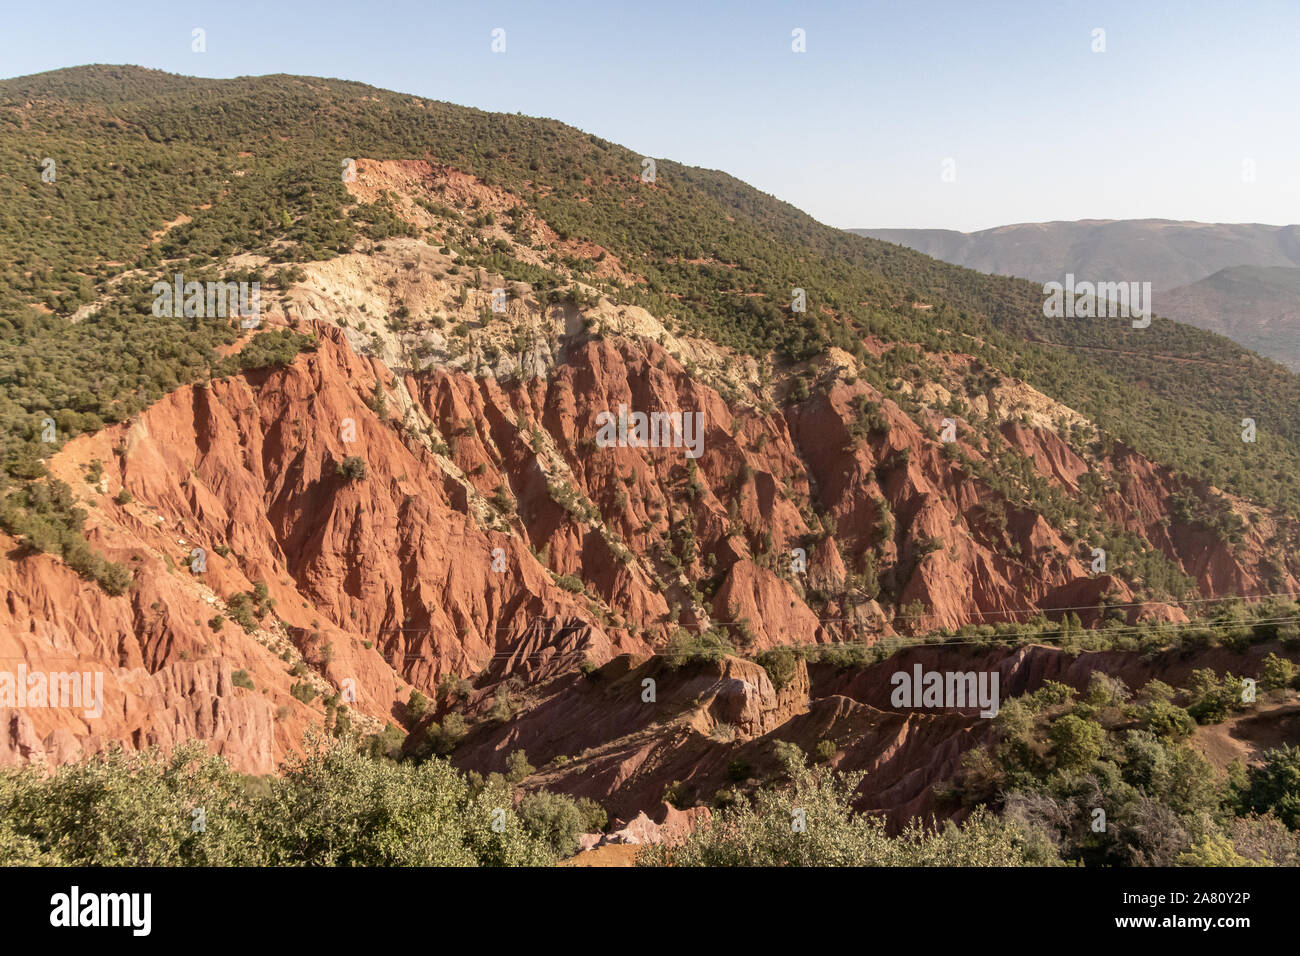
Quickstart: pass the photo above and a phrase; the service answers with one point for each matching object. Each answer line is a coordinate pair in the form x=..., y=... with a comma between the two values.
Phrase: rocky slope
x=492, y=540
x=414, y=529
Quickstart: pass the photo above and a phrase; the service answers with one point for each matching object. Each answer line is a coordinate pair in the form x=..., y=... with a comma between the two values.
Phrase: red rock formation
x=492, y=539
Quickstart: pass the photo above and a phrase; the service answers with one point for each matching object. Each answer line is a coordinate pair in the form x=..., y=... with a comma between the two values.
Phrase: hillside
x=409, y=527
x=1257, y=306
x=1235, y=280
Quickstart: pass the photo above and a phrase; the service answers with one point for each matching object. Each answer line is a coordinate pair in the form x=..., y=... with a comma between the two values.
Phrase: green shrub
x=518, y=767
x=554, y=819
x=780, y=664
x=594, y=817
x=1275, y=786
x=353, y=468
x=242, y=611
x=331, y=806
x=417, y=705
x=115, y=579
x=764, y=833
x=442, y=738
x=1211, y=700
x=1277, y=673
x=685, y=648
x=1077, y=743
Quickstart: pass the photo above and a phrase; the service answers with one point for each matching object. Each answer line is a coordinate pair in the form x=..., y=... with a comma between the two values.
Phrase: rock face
x=439, y=512
x=673, y=827
x=652, y=751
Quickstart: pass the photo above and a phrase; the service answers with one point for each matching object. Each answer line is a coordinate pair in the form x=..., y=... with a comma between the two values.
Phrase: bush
x=1277, y=673
x=502, y=710
x=1211, y=699
x=780, y=664
x=417, y=705
x=241, y=610
x=240, y=678
x=1275, y=786
x=442, y=738
x=353, y=468
x=115, y=579
x=517, y=766
x=1077, y=743
x=787, y=752
x=1165, y=719
x=333, y=806
x=594, y=817
x=386, y=744
x=764, y=833
x=676, y=795
x=554, y=819
x=685, y=648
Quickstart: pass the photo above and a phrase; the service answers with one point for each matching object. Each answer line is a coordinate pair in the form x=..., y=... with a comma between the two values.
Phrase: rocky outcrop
x=674, y=826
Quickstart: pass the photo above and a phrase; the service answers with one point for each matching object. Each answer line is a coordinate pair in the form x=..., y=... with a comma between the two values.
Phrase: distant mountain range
x=1240, y=280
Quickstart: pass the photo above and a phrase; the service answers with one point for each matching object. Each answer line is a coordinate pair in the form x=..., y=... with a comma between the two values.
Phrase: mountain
x=393, y=507
x=1163, y=252
x=1257, y=306
x=1237, y=280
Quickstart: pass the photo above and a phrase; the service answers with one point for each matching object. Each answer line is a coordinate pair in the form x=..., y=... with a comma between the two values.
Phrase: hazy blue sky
x=855, y=130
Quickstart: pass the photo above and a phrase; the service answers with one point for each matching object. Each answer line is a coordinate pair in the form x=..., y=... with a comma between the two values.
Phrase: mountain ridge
x=1107, y=248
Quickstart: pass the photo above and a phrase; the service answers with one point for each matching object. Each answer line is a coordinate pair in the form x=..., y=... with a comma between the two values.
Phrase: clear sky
x=1188, y=98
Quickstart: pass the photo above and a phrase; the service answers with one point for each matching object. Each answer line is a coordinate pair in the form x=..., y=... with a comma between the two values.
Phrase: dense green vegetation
x=1108, y=778
x=335, y=806
x=809, y=821
x=1230, y=623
